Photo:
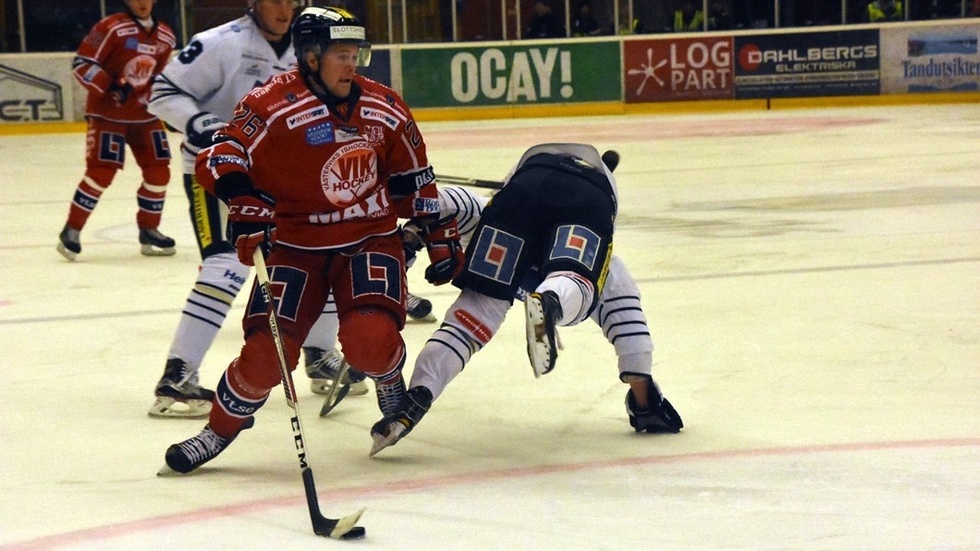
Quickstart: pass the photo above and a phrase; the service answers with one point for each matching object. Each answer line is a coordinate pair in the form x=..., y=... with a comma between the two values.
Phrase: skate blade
x=321, y=387
x=360, y=388
x=381, y=441
x=63, y=251
x=428, y=318
x=150, y=250
x=166, y=472
x=166, y=407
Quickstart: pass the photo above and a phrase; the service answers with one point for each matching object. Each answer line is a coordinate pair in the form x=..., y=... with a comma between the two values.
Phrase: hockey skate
x=542, y=312
x=390, y=395
x=190, y=454
x=659, y=417
x=178, y=395
x=324, y=368
x=395, y=426
x=419, y=309
x=68, y=243
x=154, y=243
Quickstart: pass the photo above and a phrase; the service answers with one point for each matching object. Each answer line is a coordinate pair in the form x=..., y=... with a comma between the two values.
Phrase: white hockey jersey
x=213, y=73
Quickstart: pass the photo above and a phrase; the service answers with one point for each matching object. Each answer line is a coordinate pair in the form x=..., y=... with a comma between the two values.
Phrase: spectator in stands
x=720, y=16
x=688, y=18
x=544, y=23
x=585, y=23
x=880, y=11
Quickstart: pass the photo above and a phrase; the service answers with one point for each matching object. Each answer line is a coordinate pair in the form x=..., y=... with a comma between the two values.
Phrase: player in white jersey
x=196, y=95
x=618, y=312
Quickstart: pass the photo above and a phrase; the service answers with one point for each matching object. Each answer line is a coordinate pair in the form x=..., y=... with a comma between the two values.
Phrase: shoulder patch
x=379, y=115
x=308, y=116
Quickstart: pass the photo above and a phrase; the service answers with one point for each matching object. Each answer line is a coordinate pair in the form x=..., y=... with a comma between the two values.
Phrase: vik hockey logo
x=25, y=97
x=350, y=174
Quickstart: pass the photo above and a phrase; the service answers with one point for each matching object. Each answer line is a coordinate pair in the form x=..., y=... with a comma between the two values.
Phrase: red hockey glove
x=120, y=91
x=250, y=225
x=446, y=256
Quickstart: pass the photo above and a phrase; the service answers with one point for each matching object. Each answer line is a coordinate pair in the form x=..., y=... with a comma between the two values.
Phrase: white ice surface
x=812, y=279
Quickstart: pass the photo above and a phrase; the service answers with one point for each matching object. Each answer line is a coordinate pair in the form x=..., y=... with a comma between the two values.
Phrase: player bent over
x=555, y=216
x=342, y=158
x=619, y=312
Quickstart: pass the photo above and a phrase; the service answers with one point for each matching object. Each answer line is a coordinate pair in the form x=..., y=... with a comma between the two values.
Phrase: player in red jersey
x=342, y=158
x=116, y=63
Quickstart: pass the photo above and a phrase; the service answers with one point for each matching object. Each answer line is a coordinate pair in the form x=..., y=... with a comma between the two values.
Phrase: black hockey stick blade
x=340, y=529
x=473, y=182
x=334, y=398
x=337, y=390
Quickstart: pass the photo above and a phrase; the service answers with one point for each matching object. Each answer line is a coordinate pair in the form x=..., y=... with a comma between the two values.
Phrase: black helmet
x=317, y=28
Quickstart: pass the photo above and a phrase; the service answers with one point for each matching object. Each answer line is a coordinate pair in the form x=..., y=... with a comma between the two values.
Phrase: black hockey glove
x=200, y=131
x=120, y=91
x=659, y=416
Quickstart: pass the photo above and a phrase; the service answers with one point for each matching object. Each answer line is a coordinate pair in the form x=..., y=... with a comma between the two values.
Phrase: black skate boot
x=190, y=454
x=68, y=243
x=395, y=426
x=542, y=312
x=660, y=416
x=178, y=395
x=419, y=309
x=390, y=395
x=154, y=243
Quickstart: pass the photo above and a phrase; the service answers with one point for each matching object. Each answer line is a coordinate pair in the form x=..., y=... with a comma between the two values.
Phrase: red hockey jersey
x=120, y=48
x=336, y=180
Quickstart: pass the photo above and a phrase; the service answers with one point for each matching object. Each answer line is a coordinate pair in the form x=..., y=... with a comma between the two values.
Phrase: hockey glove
x=659, y=416
x=446, y=256
x=250, y=225
x=200, y=131
x=120, y=91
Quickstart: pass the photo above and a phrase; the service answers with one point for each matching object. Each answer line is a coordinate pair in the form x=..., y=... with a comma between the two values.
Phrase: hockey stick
x=344, y=528
x=610, y=158
x=337, y=390
x=473, y=182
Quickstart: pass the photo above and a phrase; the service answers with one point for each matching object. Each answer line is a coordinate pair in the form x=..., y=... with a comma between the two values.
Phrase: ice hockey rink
x=811, y=277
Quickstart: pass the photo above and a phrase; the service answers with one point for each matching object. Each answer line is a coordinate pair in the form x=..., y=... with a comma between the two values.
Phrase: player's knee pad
x=100, y=177
x=259, y=361
x=156, y=175
x=222, y=275
x=370, y=340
